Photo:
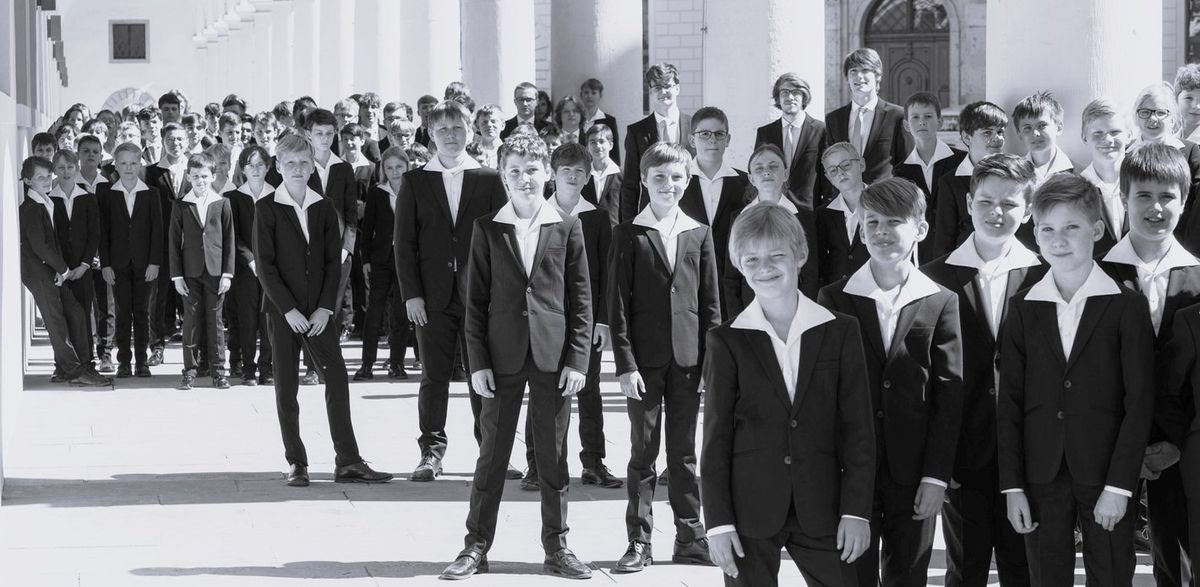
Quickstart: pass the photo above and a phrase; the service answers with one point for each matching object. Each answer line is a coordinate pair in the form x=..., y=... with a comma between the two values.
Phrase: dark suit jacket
x=79, y=235
x=597, y=240
x=952, y=224
x=611, y=122
x=159, y=178
x=431, y=250
x=730, y=202
x=1092, y=409
x=201, y=246
x=912, y=172
x=377, y=228
x=887, y=143
x=826, y=431
x=610, y=200
x=511, y=124
x=547, y=315
x=838, y=258
x=1188, y=229
x=1174, y=407
x=124, y=240
x=370, y=149
x=241, y=207
x=341, y=190
x=737, y=293
x=657, y=315
x=41, y=255
x=977, y=441
x=916, y=387
x=638, y=137
x=297, y=274
x=804, y=170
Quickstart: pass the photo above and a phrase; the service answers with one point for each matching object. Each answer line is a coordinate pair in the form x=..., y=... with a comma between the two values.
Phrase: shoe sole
x=626, y=570
x=558, y=572
x=687, y=560
x=422, y=479
x=613, y=485
x=482, y=568
x=297, y=483
x=359, y=480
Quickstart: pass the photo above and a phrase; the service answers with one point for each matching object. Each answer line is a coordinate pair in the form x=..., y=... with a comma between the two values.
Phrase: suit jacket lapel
x=195, y=213
x=1046, y=320
x=904, y=322
x=765, y=353
x=1093, y=310
x=692, y=202
x=545, y=233
x=877, y=122
x=441, y=200
x=810, y=343
x=774, y=134
x=727, y=197
x=293, y=219
x=965, y=278
x=1015, y=278
x=656, y=241
x=468, y=187
x=510, y=238
x=864, y=309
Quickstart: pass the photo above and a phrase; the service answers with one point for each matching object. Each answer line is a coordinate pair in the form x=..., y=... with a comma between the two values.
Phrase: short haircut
x=127, y=148
x=233, y=100
x=1156, y=163
x=418, y=154
x=488, y=110
x=282, y=110
x=864, y=58
x=466, y=100
x=319, y=117
x=708, y=112
x=89, y=138
x=247, y=154
x=347, y=104
x=400, y=126
x=450, y=110
x=1037, y=106
x=69, y=155
x=592, y=83
x=562, y=105
x=1100, y=108
x=301, y=104
x=894, y=197
x=393, y=153
x=570, y=154
x=353, y=130
x=91, y=125
x=923, y=99
x=390, y=107
x=293, y=144
x=32, y=164
x=408, y=110
x=426, y=99
x=128, y=125
x=663, y=154
x=75, y=108
x=1067, y=189
x=980, y=115
x=766, y=224
x=149, y=113
x=265, y=119
x=1187, y=77
x=842, y=147
x=456, y=88
x=598, y=129
x=228, y=119
x=1006, y=166
x=246, y=118
x=795, y=80
x=550, y=130
x=524, y=86
x=661, y=74
x=219, y=153
x=64, y=129
x=169, y=98
x=170, y=127
x=42, y=139
x=370, y=100
x=191, y=119
x=203, y=161
x=522, y=146
x=1163, y=93
x=212, y=109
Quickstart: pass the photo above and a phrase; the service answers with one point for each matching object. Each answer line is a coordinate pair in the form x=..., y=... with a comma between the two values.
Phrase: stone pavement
x=146, y=485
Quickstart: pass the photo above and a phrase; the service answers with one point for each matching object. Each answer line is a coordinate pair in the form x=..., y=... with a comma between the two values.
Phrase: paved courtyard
x=146, y=485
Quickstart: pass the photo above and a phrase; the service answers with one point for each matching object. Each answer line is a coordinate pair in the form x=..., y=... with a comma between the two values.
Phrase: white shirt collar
x=870, y=106
x=1098, y=283
x=581, y=206
x=966, y=168
x=1089, y=173
x=917, y=286
x=1059, y=162
x=783, y=202
x=120, y=186
x=194, y=199
x=467, y=162
x=333, y=160
x=797, y=120
x=76, y=190
x=1173, y=141
x=610, y=168
x=809, y=315
x=546, y=214
x=682, y=222
x=267, y=190
x=599, y=116
x=1017, y=257
x=839, y=203
x=724, y=171
x=163, y=163
x=671, y=118
x=36, y=197
x=387, y=187
x=283, y=197
x=1176, y=256
x=940, y=151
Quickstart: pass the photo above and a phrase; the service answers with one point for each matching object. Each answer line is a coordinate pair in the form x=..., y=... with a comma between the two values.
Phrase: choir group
x=879, y=327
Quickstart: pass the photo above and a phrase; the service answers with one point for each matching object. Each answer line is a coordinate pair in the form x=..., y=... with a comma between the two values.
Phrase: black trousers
x=437, y=340
x=132, y=292
x=1168, y=511
x=326, y=355
x=64, y=319
x=105, y=313
x=233, y=334
x=550, y=413
x=975, y=523
x=1057, y=507
x=1189, y=472
x=164, y=309
x=591, y=420
x=203, y=324
x=817, y=557
x=359, y=290
x=251, y=325
x=344, y=313
x=385, y=295
x=900, y=548
x=674, y=390
x=84, y=292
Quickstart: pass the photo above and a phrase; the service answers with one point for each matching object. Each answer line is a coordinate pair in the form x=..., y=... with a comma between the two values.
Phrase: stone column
x=282, y=63
x=261, y=48
x=600, y=39
x=783, y=35
x=498, y=48
x=307, y=75
x=387, y=70
x=1079, y=49
x=368, y=30
x=432, y=56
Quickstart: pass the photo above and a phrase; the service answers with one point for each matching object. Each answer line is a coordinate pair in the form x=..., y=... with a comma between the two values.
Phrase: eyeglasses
x=663, y=87
x=524, y=100
x=708, y=135
x=1146, y=113
x=844, y=167
x=789, y=93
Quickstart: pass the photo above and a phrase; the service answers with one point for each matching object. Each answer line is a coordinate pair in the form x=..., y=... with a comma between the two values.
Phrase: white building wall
x=1173, y=31
x=541, y=27
x=676, y=37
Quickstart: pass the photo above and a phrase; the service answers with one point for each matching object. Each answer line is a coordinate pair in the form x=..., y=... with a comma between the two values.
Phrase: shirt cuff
x=725, y=529
x=598, y=325
x=850, y=517
x=177, y=279
x=932, y=481
x=1118, y=491
x=1013, y=490
x=345, y=254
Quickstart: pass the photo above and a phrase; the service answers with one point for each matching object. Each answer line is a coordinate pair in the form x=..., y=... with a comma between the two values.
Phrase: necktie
x=856, y=129
x=663, y=136
x=789, y=145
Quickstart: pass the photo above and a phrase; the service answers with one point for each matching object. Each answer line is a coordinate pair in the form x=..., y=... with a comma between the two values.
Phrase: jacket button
x=454, y=239
x=672, y=289
x=529, y=290
x=1067, y=384
x=524, y=313
x=879, y=414
x=1059, y=415
x=992, y=391
x=787, y=460
x=887, y=384
x=794, y=424
x=450, y=265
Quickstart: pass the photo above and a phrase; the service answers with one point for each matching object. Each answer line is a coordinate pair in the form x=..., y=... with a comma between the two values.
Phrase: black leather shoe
x=186, y=383
x=298, y=476
x=124, y=372
x=156, y=358
x=600, y=475
x=310, y=378
x=57, y=377
x=467, y=564
x=90, y=378
x=397, y=372
x=220, y=382
x=565, y=564
x=360, y=473
x=249, y=380
x=512, y=474
x=530, y=481
x=427, y=470
x=267, y=379
x=364, y=373
x=143, y=371
x=235, y=368
x=637, y=557
x=691, y=553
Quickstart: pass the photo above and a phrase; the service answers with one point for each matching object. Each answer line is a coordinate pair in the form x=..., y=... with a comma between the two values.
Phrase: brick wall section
x=541, y=27
x=676, y=37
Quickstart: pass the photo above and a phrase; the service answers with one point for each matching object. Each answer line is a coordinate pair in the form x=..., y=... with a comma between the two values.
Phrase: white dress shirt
x=782, y=202
x=452, y=179
x=1153, y=275
x=267, y=190
x=68, y=199
x=866, y=117
x=940, y=151
x=791, y=135
x=710, y=189
x=392, y=195
x=91, y=185
x=528, y=230
x=176, y=172
x=1058, y=162
x=323, y=170
x=669, y=228
x=992, y=276
x=672, y=122
x=1110, y=198
x=597, y=117
x=601, y=177
x=849, y=216
x=966, y=168
x=581, y=206
x=130, y=195
x=310, y=197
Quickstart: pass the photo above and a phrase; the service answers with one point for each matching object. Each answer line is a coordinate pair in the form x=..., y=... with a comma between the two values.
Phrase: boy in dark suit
x=874, y=126
x=813, y=503
x=168, y=176
x=930, y=158
x=603, y=189
x=525, y=98
x=1107, y=132
x=914, y=367
x=981, y=126
x=662, y=299
x=201, y=253
x=664, y=124
x=591, y=91
x=77, y=228
x=298, y=254
x=800, y=136
x=131, y=252
x=1154, y=184
x=435, y=213
x=91, y=177
x=1076, y=398
x=43, y=272
x=840, y=249
x=986, y=271
x=253, y=164
x=1039, y=122
x=379, y=261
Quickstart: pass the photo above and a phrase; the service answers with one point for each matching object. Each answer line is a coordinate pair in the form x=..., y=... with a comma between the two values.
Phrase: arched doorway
x=913, y=38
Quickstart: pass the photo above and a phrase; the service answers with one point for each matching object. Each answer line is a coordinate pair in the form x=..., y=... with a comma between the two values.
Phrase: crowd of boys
x=883, y=328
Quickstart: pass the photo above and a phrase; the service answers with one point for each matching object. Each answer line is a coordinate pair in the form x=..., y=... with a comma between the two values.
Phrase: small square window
x=129, y=41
